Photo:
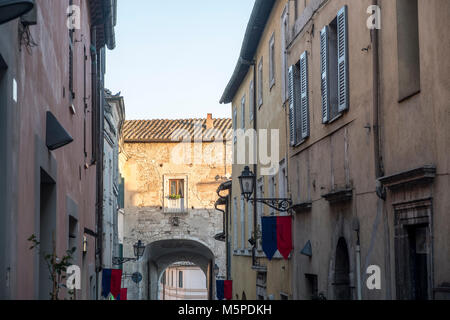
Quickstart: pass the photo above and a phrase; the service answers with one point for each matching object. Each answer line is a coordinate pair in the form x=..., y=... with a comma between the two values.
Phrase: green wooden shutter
x=291, y=77
x=304, y=105
x=324, y=69
x=343, y=84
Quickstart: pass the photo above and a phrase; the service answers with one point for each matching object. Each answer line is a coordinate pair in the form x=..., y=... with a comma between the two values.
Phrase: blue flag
x=106, y=282
x=269, y=236
x=220, y=289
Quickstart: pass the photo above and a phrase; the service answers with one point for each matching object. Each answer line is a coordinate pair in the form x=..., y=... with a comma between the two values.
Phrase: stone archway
x=161, y=254
x=341, y=282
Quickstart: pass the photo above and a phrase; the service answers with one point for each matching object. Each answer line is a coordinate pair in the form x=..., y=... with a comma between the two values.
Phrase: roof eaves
x=255, y=28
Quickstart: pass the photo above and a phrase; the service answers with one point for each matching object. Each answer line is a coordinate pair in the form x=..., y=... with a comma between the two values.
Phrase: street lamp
x=139, y=249
x=216, y=270
x=12, y=9
x=247, y=182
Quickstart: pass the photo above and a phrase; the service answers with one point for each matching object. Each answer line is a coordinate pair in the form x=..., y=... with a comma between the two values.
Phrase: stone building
x=172, y=169
x=114, y=118
x=368, y=158
x=51, y=100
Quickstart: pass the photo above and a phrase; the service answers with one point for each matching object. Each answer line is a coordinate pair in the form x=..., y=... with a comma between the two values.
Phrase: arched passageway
x=183, y=281
x=164, y=253
x=342, y=272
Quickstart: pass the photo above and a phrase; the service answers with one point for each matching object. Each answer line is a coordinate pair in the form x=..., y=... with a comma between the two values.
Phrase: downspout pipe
x=255, y=169
x=379, y=169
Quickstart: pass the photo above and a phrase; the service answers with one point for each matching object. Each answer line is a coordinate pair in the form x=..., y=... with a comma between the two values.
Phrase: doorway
x=47, y=232
x=418, y=255
x=342, y=272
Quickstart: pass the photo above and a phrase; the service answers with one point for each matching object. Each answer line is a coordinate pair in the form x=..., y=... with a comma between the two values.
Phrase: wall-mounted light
x=85, y=244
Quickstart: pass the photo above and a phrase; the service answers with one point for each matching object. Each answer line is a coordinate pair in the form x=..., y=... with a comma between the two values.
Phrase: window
x=272, y=188
x=180, y=279
x=259, y=208
x=251, y=99
x=272, y=61
x=175, y=194
x=334, y=67
x=260, y=83
x=284, y=63
x=243, y=112
x=282, y=180
x=408, y=48
x=299, y=126
x=176, y=188
x=312, y=286
x=71, y=45
x=235, y=124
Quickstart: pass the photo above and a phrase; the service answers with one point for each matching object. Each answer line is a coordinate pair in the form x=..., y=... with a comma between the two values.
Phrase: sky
x=173, y=59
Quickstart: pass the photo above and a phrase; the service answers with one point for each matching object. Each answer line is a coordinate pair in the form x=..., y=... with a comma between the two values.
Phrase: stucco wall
x=42, y=78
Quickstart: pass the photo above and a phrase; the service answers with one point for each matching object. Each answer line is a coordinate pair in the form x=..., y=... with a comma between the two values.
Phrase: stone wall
x=145, y=168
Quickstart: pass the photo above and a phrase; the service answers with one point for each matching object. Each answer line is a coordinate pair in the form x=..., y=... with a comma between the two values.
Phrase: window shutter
x=235, y=124
x=291, y=77
x=342, y=31
x=251, y=99
x=304, y=106
x=324, y=69
x=243, y=113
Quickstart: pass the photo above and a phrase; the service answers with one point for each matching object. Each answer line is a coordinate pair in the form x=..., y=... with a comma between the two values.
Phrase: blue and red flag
x=224, y=289
x=277, y=235
x=111, y=282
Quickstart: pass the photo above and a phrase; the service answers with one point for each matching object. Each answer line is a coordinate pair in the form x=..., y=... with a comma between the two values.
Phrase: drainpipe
x=255, y=168
x=379, y=170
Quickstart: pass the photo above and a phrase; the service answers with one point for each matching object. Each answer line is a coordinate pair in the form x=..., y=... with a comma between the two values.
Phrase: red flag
x=228, y=289
x=123, y=294
x=116, y=282
x=284, y=235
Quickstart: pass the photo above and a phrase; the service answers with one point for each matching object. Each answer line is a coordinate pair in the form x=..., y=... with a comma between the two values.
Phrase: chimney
x=209, y=121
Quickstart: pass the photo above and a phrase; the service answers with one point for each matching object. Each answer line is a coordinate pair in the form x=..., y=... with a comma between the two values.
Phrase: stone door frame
x=409, y=214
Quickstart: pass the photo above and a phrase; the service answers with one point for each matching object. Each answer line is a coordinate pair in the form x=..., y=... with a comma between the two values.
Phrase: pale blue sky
x=174, y=57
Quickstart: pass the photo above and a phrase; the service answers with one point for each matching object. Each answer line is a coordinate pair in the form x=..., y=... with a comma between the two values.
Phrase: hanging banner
x=228, y=289
x=106, y=282
x=123, y=294
x=284, y=235
x=111, y=282
x=269, y=236
x=220, y=289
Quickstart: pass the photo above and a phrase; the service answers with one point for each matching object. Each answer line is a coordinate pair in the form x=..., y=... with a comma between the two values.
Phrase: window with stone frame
x=175, y=194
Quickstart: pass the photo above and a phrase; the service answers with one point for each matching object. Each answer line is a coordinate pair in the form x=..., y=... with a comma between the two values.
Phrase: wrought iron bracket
x=279, y=204
x=119, y=261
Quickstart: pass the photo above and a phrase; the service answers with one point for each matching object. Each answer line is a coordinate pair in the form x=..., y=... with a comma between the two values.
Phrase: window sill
x=298, y=144
x=335, y=118
x=403, y=99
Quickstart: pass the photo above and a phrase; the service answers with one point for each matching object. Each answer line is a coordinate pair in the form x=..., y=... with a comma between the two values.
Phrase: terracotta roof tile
x=175, y=130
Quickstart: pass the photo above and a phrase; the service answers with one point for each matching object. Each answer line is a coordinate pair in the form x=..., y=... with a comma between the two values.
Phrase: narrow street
x=263, y=150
